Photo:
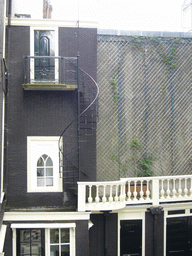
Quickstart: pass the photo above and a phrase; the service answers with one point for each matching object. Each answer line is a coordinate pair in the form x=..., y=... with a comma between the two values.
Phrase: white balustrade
x=94, y=196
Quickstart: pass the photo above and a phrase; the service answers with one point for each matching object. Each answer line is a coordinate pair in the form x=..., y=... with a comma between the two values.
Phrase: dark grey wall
x=103, y=235
x=38, y=113
x=154, y=236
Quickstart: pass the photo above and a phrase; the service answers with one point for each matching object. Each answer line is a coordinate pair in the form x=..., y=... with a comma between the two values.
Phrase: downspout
x=146, y=104
x=9, y=12
x=119, y=103
x=172, y=113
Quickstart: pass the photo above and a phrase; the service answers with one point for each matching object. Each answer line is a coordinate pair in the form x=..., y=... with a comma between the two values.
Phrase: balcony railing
x=94, y=196
x=41, y=72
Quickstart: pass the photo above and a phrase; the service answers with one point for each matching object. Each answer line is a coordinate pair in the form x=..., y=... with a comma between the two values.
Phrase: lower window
x=48, y=241
x=60, y=242
x=30, y=242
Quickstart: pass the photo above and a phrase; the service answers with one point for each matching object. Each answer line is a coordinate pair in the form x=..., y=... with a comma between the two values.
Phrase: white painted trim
x=31, y=178
x=45, y=216
x=136, y=214
x=47, y=227
x=14, y=242
x=43, y=225
x=2, y=148
x=2, y=237
x=50, y=23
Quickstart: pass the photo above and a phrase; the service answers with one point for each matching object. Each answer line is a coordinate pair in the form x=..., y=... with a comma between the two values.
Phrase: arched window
x=44, y=171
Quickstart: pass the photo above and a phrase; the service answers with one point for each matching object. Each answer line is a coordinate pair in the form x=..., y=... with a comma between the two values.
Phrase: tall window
x=43, y=165
x=60, y=242
x=30, y=242
x=44, y=171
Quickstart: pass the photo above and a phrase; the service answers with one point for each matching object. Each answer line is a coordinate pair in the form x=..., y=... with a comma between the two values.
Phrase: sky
x=146, y=15
x=141, y=14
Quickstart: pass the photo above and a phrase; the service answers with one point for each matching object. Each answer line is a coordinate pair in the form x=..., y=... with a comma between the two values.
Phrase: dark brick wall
x=38, y=113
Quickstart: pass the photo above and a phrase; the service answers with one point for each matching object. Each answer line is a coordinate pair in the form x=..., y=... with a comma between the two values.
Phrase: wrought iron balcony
x=50, y=73
x=113, y=195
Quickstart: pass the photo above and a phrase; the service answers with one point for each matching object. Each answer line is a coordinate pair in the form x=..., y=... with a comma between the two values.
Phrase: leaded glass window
x=44, y=171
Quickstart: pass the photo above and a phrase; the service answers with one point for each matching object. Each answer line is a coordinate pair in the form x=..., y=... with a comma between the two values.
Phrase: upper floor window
x=44, y=171
x=43, y=165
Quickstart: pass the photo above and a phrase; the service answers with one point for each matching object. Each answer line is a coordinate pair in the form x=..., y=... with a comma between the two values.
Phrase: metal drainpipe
x=9, y=12
x=119, y=101
x=172, y=113
x=146, y=103
x=105, y=215
x=155, y=211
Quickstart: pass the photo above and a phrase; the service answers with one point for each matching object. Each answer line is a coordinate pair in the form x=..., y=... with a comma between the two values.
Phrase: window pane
x=40, y=182
x=65, y=235
x=36, y=235
x=49, y=181
x=44, y=156
x=49, y=162
x=54, y=251
x=40, y=172
x=65, y=250
x=54, y=236
x=49, y=172
x=25, y=235
x=36, y=248
x=40, y=162
x=25, y=248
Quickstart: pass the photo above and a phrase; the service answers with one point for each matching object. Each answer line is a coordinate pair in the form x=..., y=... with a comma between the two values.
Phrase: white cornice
x=45, y=216
x=49, y=22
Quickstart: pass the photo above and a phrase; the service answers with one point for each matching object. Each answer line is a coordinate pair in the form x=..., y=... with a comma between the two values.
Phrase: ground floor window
x=30, y=242
x=60, y=242
x=45, y=240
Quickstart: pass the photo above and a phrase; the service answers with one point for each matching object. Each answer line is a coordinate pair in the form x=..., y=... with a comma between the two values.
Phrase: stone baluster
x=148, y=191
x=90, y=199
x=97, y=194
x=122, y=194
x=185, y=189
x=168, y=190
x=116, y=193
x=162, y=190
x=141, y=192
x=180, y=190
x=111, y=197
x=174, y=190
x=128, y=191
x=135, y=191
x=104, y=199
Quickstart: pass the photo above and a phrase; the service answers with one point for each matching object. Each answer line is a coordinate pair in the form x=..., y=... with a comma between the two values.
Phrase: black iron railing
x=50, y=69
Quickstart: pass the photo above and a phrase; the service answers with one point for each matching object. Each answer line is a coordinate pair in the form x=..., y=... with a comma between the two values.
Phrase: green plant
x=145, y=165
x=123, y=166
x=142, y=165
x=114, y=87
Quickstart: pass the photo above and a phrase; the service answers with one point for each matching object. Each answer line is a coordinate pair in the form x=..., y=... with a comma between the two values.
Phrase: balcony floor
x=49, y=87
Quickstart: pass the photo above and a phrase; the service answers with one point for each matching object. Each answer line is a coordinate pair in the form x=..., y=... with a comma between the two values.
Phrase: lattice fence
x=145, y=106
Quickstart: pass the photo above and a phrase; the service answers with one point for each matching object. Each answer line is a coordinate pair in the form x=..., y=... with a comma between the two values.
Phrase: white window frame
x=47, y=227
x=35, y=145
x=32, y=53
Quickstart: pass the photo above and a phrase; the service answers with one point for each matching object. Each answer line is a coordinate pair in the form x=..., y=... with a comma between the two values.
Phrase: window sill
x=49, y=87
